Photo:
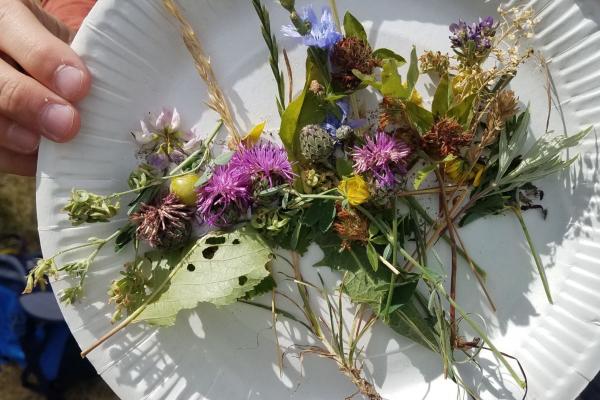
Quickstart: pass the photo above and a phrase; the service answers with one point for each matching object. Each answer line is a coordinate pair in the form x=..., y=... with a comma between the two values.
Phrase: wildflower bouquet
x=360, y=152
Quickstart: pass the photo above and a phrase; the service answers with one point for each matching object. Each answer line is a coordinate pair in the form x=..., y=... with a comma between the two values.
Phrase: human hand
x=40, y=78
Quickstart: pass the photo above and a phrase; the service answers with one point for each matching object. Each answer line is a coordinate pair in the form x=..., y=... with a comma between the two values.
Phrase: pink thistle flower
x=165, y=225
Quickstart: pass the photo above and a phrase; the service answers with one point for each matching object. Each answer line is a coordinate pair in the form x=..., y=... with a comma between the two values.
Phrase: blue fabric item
x=52, y=355
x=12, y=320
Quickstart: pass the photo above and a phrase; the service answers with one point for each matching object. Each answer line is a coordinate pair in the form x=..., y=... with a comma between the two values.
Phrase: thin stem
x=394, y=261
x=99, y=242
x=534, y=253
x=336, y=15
x=321, y=196
x=444, y=207
x=279, y=311
x=440, y=288
x=316, y=328
x=206, y=149
x=388, y=264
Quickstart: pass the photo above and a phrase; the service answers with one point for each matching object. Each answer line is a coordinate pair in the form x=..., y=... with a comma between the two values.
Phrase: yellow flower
x=416, y=98
x=355, y=189
x=458, y=170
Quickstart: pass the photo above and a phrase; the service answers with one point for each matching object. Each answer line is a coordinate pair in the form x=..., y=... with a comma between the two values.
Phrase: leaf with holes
x=219, y=268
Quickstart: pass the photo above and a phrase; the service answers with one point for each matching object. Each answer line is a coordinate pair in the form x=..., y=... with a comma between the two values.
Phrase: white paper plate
x=139, y=64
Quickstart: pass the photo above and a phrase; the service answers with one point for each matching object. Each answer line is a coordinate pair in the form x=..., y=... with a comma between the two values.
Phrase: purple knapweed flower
x=225, y=197
x=323, y=32
x=383, y=157
x=265, y=163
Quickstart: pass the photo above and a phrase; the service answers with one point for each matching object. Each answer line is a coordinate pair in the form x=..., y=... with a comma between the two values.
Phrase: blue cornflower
x=333, y=123
x=323, y=33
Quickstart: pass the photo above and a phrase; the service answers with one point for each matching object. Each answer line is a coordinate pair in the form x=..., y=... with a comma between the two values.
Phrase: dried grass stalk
x=217, y=101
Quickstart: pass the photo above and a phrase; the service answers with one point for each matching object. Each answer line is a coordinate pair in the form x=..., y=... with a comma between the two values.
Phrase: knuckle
x=11, y=98
x=5, y=11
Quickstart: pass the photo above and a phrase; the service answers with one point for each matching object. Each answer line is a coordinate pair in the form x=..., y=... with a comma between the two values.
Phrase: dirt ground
x=10, y=382
x=17, y=216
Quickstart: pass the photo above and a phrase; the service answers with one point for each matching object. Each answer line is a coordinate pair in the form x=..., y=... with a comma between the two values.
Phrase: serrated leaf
x=405, y=319
x=353, y=27
x=387, y=54
x=413, y=70
x=219, y=268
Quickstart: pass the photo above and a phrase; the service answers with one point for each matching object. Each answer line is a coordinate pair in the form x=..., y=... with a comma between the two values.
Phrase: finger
x=16, y=138
x=18, y=164
x=35, y=107
x=51, y=23
x=44, y=56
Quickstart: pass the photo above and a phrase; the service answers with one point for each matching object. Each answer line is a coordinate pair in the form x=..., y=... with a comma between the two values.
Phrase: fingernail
x=57, y=121
x=21, y=139
x=68, y=81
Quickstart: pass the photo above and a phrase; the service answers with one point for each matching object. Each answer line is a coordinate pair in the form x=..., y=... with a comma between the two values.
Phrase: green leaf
x=125, y=236
x=489, y=205
x=320, y=215
x=463, y=111
x=265, y=286
x=304, y=110
x=343, y=167
x=145, y=196
x=422, y=174
x=353, y=27
x=408, y=322
x=509, y=147
x=331, y=244
x=364, y=288
x=387, y=54
x=421, y=118
x=544, y=158
x=442, y=98
x=391, y=82
x=219, y=268
x=413, y=70
x=367, y=79
x=373, y=256
x=223, y=158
